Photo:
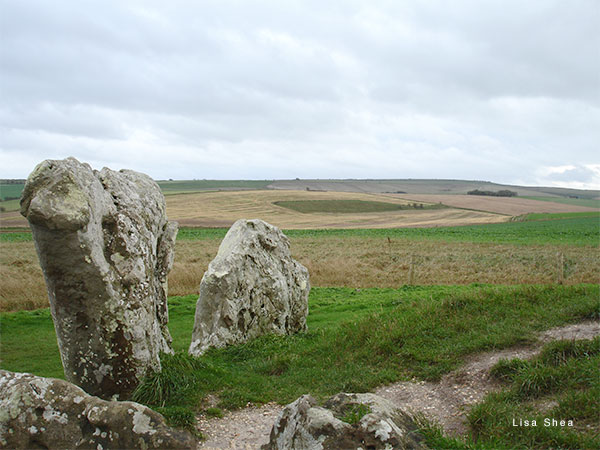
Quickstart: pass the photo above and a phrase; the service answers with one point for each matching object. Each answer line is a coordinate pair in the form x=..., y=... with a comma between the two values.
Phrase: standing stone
x=347, y=421
x=105, y=247
x=252, y=287
x=37, y=412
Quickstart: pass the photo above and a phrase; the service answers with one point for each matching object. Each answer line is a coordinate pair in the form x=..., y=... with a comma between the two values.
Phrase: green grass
x=534, y=229
x=565, y=377
x=10, y=205
x=581, y=229
x=11, y=191
x=592, y=203
x=183, y=186
x=557, y=216
x=379, y=336
x=348, y=206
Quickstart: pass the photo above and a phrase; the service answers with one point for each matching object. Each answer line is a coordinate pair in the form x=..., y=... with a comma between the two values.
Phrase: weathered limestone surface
x=378, y=424
x=105, y=247
x=38, y=412
x=252, y=287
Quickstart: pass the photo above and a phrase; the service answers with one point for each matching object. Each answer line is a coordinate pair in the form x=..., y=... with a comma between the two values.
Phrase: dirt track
x=446, y=402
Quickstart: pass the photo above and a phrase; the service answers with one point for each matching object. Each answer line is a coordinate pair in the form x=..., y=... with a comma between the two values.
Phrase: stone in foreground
x=252, y=287
x=348, y=421
x=105, y=247
x=38, y=412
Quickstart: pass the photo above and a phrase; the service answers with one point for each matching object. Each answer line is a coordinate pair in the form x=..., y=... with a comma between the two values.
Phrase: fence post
x=560, y=266
x=411, y=270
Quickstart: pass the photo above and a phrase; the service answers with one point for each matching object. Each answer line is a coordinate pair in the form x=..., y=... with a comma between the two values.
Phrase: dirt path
x=446, y=401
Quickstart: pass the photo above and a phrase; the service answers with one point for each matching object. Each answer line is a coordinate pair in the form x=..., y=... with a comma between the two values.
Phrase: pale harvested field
x=513, y=206
x=13, y=219
x=221, y=209
x=335, y=261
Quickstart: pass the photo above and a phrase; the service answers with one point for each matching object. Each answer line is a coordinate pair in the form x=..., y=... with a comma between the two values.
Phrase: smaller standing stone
x=346, y=421
x=252, y=287
x=37, y=412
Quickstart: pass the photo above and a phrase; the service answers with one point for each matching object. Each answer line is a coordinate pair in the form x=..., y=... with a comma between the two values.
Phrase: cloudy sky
x=505, y=91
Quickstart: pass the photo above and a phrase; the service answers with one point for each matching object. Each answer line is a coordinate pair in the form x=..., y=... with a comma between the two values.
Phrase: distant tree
x=501, y=193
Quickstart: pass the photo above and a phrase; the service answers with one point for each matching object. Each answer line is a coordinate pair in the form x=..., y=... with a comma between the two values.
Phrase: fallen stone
x=348, y=421
x=105, y=247
x=48, y=413
x=252, y=287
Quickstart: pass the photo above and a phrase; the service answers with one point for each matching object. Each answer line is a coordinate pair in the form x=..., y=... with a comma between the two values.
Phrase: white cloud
x=499, y=90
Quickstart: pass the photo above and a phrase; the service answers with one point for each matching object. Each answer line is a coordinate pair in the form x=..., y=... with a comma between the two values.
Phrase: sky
x=505, y=91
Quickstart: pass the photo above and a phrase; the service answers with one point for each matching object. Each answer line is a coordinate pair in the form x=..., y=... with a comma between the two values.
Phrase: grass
x=557, y=216
x=12, y=191
x=509, y=253
x=349, y=206
x=10, y=205
x=380, y=336
x=565, y=228
x=565, y=378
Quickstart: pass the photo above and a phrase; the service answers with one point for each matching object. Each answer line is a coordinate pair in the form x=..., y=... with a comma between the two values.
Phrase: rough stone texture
x=38, y=412
x=105, y=247
x=252, y=287
x=303, y=425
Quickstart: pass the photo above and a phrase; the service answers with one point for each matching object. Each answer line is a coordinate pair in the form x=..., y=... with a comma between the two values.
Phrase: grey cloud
x=271, y=89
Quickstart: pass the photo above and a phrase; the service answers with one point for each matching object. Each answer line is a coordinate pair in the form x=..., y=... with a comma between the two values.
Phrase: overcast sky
x=505, y=91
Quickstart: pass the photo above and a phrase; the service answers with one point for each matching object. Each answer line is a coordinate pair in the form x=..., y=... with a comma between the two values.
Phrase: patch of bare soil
x=447, y=401
x=247, y=428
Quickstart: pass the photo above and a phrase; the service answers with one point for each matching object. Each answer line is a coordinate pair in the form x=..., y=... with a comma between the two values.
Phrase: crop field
x=513, y=206
x=504, y=253
x=220, y=209
x=350, y=206
x=588, y=202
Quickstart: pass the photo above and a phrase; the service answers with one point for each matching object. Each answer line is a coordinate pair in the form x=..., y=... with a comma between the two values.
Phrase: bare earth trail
x=446, y=402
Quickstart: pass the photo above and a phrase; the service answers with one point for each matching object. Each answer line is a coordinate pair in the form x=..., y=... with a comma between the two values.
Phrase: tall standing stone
x=252, y=287
x=105, y=247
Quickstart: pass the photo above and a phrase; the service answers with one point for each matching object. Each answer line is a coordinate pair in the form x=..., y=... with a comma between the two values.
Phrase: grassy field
x=10, y=191
x=380, y=336
x=395, y=303
x=507, y=253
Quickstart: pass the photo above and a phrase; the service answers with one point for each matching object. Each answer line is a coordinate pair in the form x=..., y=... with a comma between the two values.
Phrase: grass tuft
x=507, y=369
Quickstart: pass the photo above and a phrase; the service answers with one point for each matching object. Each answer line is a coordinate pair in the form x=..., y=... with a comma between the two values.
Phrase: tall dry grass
x=334, y=261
